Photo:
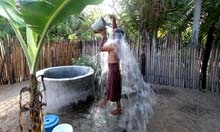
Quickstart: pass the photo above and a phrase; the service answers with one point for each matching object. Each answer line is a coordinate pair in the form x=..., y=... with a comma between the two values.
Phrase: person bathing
x=114, y=87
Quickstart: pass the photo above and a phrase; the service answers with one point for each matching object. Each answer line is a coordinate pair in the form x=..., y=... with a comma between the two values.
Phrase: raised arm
x=104, y=38
x=114, y=24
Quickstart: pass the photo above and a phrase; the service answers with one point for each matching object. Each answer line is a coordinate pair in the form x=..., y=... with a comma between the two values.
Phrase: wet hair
x=119, y=33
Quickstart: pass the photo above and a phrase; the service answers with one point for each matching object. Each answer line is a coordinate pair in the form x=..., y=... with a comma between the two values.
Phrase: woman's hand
x=104, y=38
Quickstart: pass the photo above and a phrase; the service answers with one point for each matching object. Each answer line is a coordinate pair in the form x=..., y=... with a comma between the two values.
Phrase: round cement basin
x=65, y=85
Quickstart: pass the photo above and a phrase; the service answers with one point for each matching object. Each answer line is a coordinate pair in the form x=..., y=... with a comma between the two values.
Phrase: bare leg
x=103, y=103
x=118, y=104
x=118, y=109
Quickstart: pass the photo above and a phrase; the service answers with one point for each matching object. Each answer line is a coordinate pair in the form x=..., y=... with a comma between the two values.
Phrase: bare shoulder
x=108, y=47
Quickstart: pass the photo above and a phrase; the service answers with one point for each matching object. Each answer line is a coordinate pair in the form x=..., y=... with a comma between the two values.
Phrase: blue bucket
x=50, y=121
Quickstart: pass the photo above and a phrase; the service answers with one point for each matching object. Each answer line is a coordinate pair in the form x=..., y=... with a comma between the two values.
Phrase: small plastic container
x=50, y=121
x=63, y=128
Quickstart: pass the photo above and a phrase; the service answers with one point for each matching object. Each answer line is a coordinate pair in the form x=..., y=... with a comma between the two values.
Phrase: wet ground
x=176, y=110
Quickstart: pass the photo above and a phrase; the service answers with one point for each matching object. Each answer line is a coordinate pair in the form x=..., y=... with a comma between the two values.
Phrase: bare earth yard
x=176, y=110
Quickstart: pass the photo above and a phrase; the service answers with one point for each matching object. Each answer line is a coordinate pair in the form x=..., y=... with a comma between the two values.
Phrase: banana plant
x=37, y=16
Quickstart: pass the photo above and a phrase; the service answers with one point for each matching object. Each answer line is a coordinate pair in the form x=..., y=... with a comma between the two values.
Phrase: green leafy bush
x=88, y=61
x=84, y=61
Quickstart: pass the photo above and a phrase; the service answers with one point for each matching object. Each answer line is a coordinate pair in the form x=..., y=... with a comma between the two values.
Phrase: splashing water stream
x=137, y=96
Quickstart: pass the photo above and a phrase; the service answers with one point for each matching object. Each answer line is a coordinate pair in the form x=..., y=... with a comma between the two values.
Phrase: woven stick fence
x=14, y=65
x=169, y=64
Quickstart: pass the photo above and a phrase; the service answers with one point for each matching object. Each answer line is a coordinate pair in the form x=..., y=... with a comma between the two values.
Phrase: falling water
x=137, y=96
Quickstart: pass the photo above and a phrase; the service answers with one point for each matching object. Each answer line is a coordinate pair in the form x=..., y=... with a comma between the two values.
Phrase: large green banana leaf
x=8, y=10
x=38, y=16
x=41, y=14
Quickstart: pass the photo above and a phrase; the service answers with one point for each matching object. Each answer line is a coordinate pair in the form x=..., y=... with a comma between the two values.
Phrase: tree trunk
x=36, y=114
x=206, y=55
x=143, y=53
x=196, y=22
x=143, y=64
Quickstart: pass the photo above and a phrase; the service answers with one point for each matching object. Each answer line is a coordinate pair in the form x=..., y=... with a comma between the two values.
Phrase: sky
x=105, y=7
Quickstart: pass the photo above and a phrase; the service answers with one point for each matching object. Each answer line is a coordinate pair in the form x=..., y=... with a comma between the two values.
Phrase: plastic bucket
x=63, y=128
x=50, y=121
x=98, y=25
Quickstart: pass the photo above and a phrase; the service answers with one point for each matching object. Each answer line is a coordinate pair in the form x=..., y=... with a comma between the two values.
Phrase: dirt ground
x=185, y=110
x=176, y=110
